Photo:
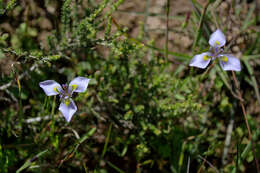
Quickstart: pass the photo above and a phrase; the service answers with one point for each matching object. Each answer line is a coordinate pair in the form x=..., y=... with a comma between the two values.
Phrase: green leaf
x=31, y=161
x=86, y=136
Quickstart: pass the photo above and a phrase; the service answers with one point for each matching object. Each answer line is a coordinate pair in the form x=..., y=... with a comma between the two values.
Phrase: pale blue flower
x=226, y=61
x=67, y=106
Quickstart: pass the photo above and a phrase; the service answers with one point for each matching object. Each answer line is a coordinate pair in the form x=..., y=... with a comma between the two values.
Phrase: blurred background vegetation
x=145, y=109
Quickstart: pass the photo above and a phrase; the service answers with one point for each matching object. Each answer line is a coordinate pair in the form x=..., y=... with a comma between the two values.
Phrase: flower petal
x=68, y=108
x=201, y=60
x=79, y=84
x=229, y=62
x=50, y=87
x=217, y=39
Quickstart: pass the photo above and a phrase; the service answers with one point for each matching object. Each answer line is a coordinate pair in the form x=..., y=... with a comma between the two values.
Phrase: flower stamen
x=56, y=89
x=217, y=42
x=224, y=58
x=74, y=86
x=67, y=102
x=206, y=57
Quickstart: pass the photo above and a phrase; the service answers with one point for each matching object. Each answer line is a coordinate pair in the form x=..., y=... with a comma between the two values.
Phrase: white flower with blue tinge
x=226, y=61
x=67, y=106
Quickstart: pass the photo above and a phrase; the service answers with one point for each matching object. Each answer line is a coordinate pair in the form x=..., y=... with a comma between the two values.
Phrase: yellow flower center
x=67, y=102
x=74, y=86
x=224, y=58
x=205, y=57
x=217, y=42
x=56, y=89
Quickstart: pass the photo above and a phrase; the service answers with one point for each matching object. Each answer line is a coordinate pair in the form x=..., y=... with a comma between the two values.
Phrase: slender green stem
x=253, y=79
x=53, y=106
x=167, y=29
x=47, y=104
x=85, y=167
x=20, y=104
x=246, y=120
x=115, y=167
x=215, y=19
x=107, y=140
x=207, y=70
x=225, y=79
x=52, y=116
x=198, y=33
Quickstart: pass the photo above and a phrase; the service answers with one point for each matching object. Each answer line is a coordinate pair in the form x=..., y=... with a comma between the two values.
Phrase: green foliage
x=6, y=7
x=140, y=113
x=4, y=160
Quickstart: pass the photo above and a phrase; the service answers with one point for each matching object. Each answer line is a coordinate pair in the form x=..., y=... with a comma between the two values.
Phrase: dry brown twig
x=205, y=161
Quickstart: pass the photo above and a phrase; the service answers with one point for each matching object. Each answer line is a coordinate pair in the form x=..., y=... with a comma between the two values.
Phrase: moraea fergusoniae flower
x=226, y=61
x=67, y=106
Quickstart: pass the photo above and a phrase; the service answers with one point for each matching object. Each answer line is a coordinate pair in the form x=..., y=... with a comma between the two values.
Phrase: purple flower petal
x=79, y=84
x=201, y=60
x=50, y=87
x=229, y=62
x=217, y=39
x=68, y=108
